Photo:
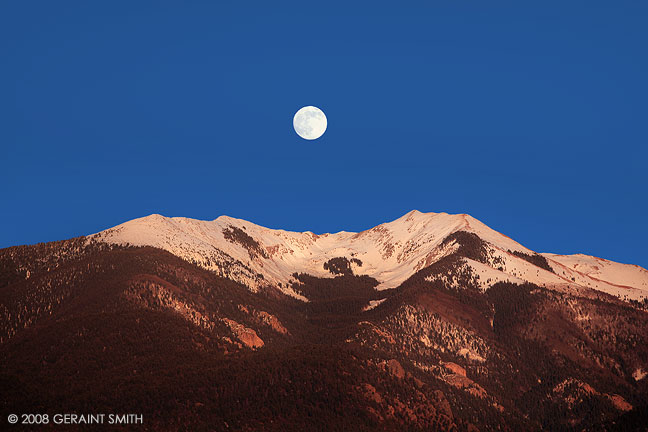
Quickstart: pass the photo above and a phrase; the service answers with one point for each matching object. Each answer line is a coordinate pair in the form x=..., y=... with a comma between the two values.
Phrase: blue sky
x=530, y=117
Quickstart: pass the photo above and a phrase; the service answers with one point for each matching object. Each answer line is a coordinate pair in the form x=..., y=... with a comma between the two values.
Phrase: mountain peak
x=413, y=213
x=464, y=296
x=390, y=253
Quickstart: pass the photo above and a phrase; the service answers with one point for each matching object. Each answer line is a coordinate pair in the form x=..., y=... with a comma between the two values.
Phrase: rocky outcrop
x=272, y=321
x=396, y=369
x=454, y=368
x=574, y=391
x=152, y=292
x=619, y=402
x=247, y=336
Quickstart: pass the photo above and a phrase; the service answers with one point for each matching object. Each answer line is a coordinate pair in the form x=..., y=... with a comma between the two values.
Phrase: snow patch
x=639, y=374
x=373, y=304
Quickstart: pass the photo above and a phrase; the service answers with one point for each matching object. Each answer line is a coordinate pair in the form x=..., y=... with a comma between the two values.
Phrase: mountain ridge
x=389, y=252
x=480, y=334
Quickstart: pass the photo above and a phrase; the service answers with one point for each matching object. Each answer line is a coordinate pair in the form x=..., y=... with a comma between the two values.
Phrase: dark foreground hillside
x=98, y=329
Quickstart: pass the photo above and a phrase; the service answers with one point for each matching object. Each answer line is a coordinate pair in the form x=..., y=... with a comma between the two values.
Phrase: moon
x=310, y=122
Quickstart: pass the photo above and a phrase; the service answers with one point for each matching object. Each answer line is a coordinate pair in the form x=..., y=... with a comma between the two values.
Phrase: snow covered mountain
x=429, y=322
x=391, y=253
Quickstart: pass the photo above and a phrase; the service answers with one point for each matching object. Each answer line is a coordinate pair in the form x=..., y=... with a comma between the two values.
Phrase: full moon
x=310, y=122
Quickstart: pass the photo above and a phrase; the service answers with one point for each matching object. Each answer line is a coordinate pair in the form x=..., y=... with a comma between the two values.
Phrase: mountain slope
x=390, y=252
x=187, y=323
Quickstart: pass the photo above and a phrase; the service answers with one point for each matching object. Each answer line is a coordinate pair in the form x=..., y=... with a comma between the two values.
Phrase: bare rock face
x=371, y=393
x=619, y=402
x=265, y=318
x=247, y=336
x=466, y=384
x=455, y=368
x=272, y=321
x=639, y=374
x=396, y=369
x=442, y=403
x=152, y=292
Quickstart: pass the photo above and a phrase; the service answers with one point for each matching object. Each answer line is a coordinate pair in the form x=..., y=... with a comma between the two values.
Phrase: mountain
x=389, y=253
x=429, y=322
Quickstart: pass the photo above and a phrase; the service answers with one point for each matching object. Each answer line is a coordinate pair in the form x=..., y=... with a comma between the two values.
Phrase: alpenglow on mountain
x=390, y=253
x=429, y=322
